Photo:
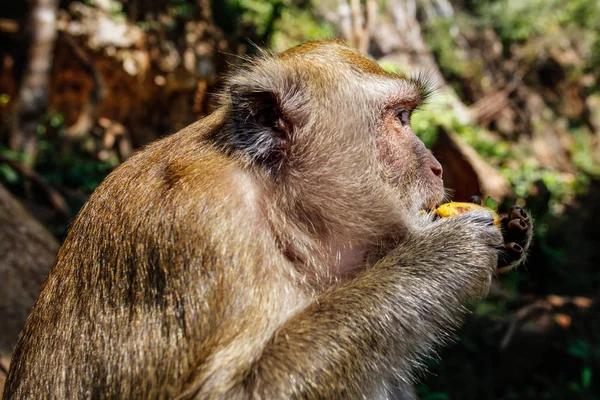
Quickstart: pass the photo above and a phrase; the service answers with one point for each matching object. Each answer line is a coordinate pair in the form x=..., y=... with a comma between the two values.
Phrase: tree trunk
x=32, y=97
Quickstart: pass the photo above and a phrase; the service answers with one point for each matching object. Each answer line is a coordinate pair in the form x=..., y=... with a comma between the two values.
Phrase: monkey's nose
x=436, y=168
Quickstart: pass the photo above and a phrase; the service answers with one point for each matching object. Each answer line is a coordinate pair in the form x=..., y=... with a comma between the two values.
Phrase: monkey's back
x=141, y=274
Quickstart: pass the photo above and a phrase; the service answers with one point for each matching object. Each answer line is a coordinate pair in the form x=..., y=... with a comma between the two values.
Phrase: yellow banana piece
x=455, y=208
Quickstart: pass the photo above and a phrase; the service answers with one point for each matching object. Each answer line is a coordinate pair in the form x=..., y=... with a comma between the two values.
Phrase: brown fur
x=271, y=250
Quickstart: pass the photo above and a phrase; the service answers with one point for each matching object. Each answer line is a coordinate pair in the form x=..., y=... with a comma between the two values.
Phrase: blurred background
x=517, y=117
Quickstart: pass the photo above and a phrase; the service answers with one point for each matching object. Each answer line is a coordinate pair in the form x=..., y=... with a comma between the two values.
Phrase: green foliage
x=280, y=23
x=426, y=122
x=425, y=125
x=443, y=46
x=61, y=163
x=58, y=162
x=491, y=204
x=582, y=150
x=517, y=20
x=494, y=150
x=536, y=25
x=9, y=176
x=77, y=170
x=182, y=9
x=580, y=13
x=513, y=163
x=261, y=15
x=176, y=11
x=562, y=187
x=298, y=25
x=257, y=12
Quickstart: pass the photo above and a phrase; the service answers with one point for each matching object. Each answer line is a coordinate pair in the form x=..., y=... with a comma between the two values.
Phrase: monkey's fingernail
x=517, y=224
x=475, y=199
x=518, y=212
x=514, y=247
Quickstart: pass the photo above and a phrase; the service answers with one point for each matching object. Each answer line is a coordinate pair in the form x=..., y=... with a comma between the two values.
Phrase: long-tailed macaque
x=272, y=250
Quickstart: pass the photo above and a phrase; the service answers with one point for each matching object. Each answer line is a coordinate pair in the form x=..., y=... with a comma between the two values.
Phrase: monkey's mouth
x=434, y=200
x=428, y=208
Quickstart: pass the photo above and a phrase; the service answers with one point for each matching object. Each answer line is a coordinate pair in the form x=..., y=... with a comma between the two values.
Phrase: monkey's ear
x=261, y=129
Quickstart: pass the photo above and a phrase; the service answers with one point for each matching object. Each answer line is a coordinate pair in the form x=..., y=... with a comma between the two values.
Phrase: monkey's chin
x=433, y=200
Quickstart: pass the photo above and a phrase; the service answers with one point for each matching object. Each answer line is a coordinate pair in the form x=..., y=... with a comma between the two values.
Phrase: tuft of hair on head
x=426, y=84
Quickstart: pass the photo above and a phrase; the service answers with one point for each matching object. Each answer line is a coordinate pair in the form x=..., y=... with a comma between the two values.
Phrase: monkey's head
x=330, y=129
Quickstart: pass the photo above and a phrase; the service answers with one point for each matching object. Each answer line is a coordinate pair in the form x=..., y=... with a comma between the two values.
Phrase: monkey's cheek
x=437, y=190
x=484, y=287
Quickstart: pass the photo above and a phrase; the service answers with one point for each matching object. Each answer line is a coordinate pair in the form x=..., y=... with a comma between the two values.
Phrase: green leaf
x=586, y=377
x=41, y=130
x=56, y=120
x=580, y=349
x=8, y=175
x=491, y=203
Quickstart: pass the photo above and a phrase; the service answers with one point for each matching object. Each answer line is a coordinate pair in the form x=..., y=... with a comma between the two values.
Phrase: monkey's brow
x=408, y=92
x=423, y=85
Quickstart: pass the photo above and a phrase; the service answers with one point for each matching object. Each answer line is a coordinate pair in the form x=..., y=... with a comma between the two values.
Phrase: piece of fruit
x=455, y=208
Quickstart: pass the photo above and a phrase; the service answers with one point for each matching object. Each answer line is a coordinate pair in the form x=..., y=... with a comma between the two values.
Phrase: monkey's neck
x=345, y=260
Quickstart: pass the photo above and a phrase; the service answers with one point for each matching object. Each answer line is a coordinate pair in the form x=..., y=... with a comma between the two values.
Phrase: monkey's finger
x=517, y=225
x=509, y=256
x=516, y=212
x=514, y=248
x=516, y=230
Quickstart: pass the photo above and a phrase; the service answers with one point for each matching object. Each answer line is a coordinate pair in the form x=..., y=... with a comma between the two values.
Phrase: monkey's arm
x=382, y=320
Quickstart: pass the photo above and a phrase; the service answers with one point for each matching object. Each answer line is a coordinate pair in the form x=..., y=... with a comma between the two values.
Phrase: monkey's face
x=405, y=163
x=332, y=131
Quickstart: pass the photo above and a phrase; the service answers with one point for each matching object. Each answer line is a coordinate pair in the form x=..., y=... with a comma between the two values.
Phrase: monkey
x=271, y=250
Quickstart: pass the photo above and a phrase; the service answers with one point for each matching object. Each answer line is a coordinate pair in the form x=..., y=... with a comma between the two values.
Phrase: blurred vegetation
x=557, y=44
x=564, y=260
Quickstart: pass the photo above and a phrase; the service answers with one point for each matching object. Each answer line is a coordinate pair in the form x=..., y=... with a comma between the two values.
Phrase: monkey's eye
x=403, y=116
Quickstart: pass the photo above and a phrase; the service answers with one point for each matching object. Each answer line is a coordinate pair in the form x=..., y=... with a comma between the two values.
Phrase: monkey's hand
x=517, y=230
x=469, y=245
